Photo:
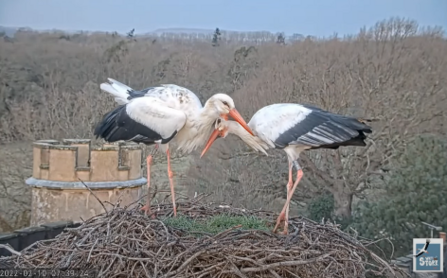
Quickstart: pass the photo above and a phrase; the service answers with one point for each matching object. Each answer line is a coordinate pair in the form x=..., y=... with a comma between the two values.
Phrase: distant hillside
x=199, y=31
x=10, y=31
x=182, y=30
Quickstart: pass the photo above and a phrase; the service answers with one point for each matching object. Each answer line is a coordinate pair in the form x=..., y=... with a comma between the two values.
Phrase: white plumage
x=161, y=115
x=294, y=128
x=273, y=120
x=157, y=115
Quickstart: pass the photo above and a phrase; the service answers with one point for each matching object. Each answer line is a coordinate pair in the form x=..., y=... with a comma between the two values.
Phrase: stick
x=94, y=195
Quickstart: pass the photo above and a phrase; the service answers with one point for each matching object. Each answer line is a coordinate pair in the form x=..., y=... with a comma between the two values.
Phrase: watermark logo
x=428, y=255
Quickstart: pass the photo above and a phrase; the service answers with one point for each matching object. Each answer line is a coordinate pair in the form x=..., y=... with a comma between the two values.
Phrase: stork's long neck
x=201, y=125
x=207, y=115
x=204, y=121
x=253, y=141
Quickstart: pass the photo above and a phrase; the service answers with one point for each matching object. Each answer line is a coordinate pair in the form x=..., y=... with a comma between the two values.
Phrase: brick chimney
x=111, y=171
x=443, y=236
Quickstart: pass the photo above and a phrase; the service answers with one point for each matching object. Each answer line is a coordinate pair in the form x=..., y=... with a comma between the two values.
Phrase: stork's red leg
x=284, y=217
x=289, y=188
x=147, y=208
x=285, y=209
x=171, y=181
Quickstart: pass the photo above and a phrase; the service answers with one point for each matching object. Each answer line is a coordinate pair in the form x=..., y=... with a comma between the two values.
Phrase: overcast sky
x=310, y=17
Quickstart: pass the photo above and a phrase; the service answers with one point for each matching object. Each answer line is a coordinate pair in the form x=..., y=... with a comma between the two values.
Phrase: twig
x=102, y=204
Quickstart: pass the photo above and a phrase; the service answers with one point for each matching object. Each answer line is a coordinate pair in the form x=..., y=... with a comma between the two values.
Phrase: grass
x=215, y=224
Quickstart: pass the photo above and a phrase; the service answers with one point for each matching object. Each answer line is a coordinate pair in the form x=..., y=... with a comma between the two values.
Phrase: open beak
x=213, y=138
x=238, y=118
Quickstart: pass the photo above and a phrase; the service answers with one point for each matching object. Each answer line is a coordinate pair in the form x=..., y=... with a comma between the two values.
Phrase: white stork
x=294, y=128
x=160, y=115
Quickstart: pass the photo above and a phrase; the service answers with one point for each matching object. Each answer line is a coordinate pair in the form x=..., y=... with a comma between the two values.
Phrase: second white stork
x=161, y=115
x=294, y=128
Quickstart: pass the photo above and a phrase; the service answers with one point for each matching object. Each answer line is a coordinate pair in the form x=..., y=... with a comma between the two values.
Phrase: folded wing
x=143, y=120
x=294, y=124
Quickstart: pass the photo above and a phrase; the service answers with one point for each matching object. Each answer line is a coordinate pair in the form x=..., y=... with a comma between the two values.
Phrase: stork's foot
x=147, y=210
x=281, y=219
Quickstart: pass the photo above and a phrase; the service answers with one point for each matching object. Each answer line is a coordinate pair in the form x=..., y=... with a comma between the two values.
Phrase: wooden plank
x=23, y=238
x=55, y=228
x=30, y=235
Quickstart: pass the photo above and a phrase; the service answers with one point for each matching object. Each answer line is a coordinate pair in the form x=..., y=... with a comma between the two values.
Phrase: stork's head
x=224, y=105
x=223, y=127
x=221, y=130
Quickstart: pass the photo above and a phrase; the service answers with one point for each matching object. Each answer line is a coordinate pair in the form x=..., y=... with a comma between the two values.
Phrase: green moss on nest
x=215, y=224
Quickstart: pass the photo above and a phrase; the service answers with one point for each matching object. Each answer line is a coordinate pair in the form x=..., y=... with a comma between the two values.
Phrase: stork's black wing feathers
x=418, y=254
x=117, y=125
x=426, y=244
x=136, y=94
x=323, y=129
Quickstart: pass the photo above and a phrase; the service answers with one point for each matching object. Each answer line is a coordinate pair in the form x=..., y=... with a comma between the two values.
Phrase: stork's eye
x=225, y=103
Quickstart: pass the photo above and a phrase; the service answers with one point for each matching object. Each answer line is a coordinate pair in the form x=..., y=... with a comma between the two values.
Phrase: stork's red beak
x=213, y=138
x=238, y=118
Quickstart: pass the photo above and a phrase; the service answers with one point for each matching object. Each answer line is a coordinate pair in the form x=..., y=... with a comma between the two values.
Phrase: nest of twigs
x=126, y=243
